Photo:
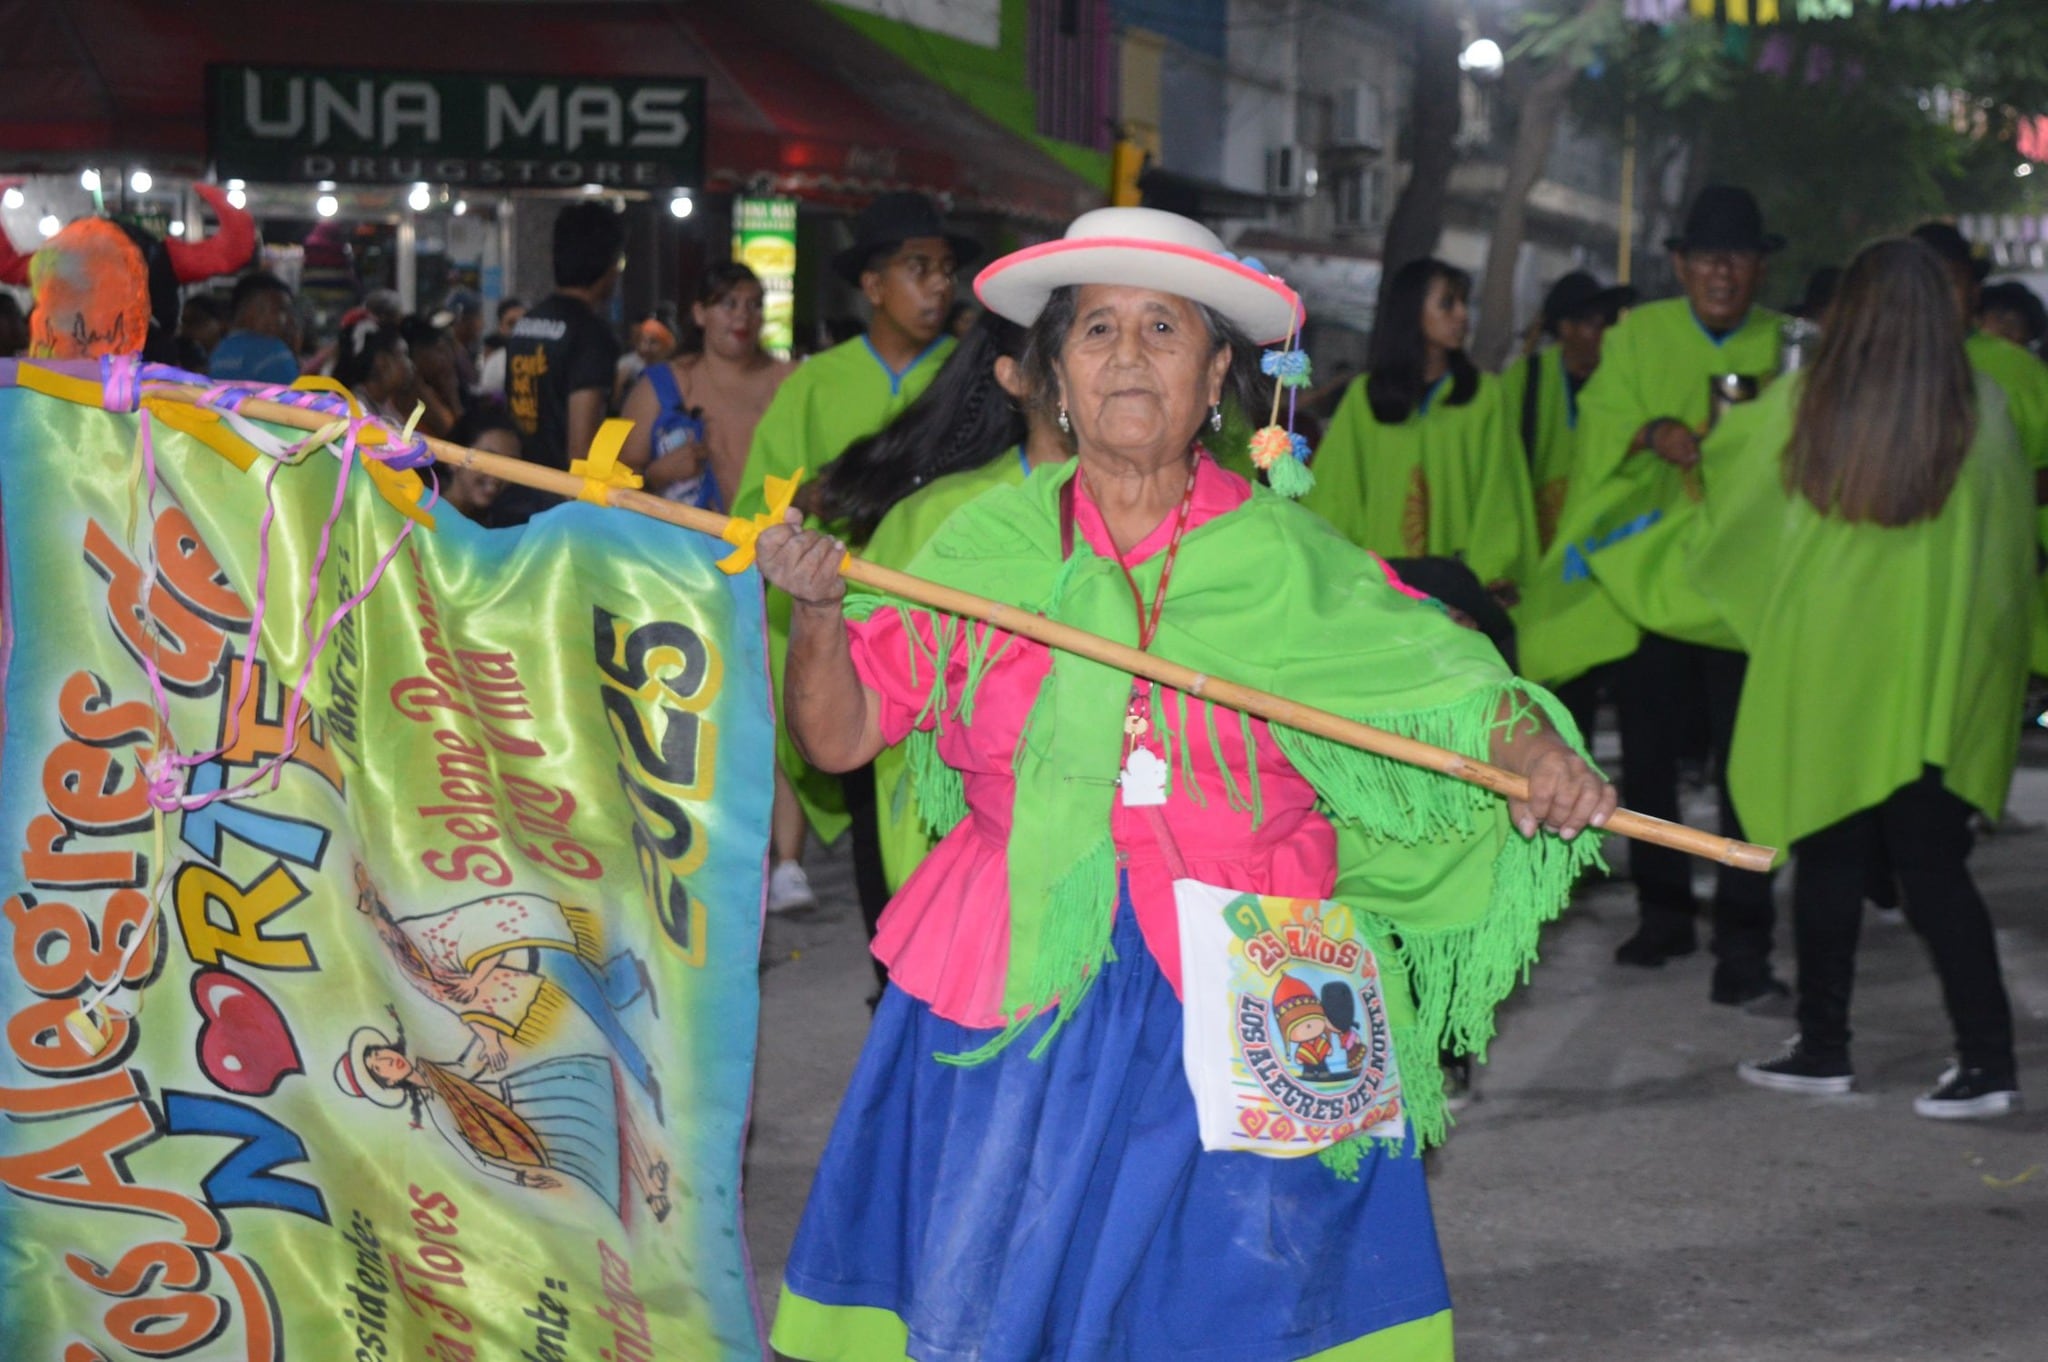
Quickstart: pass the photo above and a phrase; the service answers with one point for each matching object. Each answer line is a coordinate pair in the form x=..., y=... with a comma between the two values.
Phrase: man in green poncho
x=2023, y=379
x=1614, y=586
x=904, y=261
x=1540, y=391
x=1540, y=397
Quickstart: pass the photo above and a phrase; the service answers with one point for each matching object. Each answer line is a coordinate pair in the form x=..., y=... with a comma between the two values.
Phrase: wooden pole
x=1263, y=704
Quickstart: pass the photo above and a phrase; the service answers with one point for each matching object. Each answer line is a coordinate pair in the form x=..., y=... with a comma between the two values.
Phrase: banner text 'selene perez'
x=441, y=1044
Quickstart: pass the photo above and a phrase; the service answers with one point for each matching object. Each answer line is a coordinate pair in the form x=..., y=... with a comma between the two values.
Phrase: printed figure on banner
x=535, y=1126
x=505, y=964
x=1287, y=1048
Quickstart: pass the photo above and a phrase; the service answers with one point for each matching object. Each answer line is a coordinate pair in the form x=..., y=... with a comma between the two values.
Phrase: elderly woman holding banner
x=1016, y=1172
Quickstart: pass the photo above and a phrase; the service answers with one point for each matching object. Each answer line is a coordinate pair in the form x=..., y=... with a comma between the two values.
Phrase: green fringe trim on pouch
x=1071, y=952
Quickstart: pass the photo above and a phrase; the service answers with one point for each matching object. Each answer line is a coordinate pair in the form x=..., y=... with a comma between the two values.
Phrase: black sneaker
x=1651, y=946
x=1969, y=1095
x=1799, y=1070
x=1763, y=995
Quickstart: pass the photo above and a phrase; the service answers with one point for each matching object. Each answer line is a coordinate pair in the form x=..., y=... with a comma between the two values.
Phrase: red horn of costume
x=13, y=264
x=226, y=251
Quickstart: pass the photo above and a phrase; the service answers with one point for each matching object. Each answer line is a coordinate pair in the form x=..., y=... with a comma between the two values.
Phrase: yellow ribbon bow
x=741, y=534
x=600, y=469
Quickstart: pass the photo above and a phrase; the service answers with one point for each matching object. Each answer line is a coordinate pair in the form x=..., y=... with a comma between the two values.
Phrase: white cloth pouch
x=1285, y=1038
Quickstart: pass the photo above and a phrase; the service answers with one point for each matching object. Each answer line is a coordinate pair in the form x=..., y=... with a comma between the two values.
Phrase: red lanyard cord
x=1148, y=619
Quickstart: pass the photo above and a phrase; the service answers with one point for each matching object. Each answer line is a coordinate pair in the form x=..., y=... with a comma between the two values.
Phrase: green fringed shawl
x=1270, y=596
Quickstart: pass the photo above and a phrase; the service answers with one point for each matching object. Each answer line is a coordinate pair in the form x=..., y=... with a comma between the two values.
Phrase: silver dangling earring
x=1216, y=417
x=1066, y=426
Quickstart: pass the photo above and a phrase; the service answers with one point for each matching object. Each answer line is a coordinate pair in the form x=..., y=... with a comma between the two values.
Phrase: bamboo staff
x=1263, y=704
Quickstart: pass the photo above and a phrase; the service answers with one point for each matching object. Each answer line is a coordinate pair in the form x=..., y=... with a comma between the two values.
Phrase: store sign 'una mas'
x=365, y=127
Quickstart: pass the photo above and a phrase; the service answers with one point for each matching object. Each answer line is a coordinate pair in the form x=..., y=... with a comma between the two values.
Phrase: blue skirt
x=1063, y=1207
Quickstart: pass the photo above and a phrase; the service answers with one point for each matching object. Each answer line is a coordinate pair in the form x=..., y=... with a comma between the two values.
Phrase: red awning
x=798, y=102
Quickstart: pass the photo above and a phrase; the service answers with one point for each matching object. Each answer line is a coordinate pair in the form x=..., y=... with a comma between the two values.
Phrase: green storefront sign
x=764, y=240
x=514, y=132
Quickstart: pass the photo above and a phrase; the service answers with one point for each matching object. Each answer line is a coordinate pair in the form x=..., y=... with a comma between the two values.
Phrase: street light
x=176, y=228
x=140, y=181
x=420, y=198
x=682, y=205
x=459, y=207
x=1483, y=59
x=327, y=205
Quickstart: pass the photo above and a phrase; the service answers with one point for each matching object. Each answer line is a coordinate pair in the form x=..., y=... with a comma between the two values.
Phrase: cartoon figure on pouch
x=506, y=964
x=531, y=1126
x=1304, y=1026
x=1340, y=1006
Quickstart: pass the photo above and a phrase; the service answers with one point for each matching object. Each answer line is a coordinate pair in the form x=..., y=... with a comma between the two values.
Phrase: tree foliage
x=1845, y=130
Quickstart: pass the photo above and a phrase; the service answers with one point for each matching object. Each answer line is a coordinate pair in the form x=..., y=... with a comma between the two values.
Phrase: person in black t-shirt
x=560, y=357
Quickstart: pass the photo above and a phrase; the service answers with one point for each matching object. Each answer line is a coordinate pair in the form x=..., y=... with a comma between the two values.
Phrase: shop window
x=1071, y=58
x=1356, y=196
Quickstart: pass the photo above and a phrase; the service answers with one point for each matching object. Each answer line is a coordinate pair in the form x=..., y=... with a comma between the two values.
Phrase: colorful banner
x=437, y=1041
x=764, y=240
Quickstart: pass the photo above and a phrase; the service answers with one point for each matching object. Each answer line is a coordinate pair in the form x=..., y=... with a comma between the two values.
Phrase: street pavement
x=1615, y=1193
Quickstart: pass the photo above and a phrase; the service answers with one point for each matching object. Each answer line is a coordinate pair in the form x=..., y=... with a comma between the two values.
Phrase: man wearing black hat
x=905, y=262
x=1540, y=393
x=1635, y=487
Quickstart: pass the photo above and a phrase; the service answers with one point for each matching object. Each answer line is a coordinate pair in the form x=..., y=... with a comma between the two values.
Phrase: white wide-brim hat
x=1143, y=248
x=352, y=1071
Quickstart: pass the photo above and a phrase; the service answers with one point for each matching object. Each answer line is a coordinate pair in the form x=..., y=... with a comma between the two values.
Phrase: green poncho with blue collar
x=1617, y=566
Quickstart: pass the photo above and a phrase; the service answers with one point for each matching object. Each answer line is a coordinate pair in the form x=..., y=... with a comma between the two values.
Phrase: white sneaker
x=789, y=888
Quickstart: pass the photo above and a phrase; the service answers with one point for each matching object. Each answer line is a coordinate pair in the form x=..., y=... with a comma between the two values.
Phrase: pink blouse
x=945, y=936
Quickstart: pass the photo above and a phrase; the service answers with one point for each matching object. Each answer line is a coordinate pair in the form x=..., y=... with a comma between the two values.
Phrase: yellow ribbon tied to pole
x=741, y=534
x=600, y=469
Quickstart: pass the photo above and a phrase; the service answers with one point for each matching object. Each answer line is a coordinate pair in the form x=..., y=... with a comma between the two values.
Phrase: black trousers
x=870, y=884
x=1660, y=692
x=1925, y=832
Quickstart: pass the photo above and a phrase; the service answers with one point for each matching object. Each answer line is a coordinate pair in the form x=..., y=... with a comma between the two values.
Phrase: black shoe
x=1458, y=1093
x=1970, y=1094
x=1651, y=946
x=1763, y=995
x=1798, y=1070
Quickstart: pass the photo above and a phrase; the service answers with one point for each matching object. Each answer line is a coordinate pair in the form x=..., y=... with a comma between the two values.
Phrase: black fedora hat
x=1953, y=247
x=1725, y=217
x=890, y=221
x=1579, y=294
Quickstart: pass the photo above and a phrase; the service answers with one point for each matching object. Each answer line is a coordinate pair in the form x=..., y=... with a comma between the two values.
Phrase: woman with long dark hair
x=1419, y=461
x=972, y=411
x=1869, y=536
x=977, y=427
